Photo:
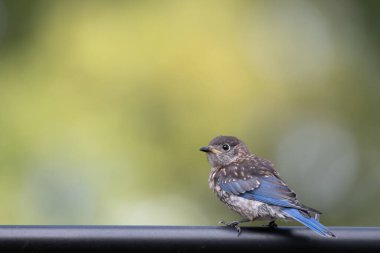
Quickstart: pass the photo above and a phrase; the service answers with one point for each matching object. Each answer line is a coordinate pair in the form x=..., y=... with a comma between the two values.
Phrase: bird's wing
x=274, y=191
x=256, y=181
x=238, y=178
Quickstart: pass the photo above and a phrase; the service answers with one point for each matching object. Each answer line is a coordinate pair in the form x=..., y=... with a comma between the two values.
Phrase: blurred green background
x=104, y=105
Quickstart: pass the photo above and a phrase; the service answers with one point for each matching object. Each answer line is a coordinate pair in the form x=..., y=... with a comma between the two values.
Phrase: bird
x=251, y=186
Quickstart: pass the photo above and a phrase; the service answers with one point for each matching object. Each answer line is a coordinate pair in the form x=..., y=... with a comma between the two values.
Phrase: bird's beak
x=210, y=150
x=205, y=149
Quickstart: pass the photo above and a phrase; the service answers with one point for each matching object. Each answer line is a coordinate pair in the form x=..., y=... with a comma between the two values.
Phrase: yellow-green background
x=104, y=105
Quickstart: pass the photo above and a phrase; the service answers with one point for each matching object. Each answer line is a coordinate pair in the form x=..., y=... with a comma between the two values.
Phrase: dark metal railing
x=184, y=239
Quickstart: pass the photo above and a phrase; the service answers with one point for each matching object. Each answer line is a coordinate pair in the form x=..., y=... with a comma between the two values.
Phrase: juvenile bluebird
x=251, y=186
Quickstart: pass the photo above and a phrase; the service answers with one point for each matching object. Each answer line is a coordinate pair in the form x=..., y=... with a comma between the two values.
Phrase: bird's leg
x=235, y=224
x=272, y=224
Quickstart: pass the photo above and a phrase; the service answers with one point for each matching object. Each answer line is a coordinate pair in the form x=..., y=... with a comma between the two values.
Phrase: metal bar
x=184, y=239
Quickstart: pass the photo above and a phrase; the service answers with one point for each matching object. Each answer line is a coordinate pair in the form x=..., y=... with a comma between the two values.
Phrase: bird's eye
x=226, y=147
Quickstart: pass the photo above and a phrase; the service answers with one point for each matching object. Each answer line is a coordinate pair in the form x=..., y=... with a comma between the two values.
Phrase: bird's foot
x=234, y=224
x=272, y=224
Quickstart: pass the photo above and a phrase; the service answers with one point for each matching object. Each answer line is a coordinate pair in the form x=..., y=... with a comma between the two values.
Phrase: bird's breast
x=212, y=180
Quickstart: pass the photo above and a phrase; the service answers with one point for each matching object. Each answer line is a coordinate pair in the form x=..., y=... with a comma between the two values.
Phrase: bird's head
x=223, y=150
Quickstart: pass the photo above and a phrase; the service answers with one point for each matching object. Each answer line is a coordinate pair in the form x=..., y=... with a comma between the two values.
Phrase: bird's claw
x=233, y=224
x=272, y=224
x=238, y=229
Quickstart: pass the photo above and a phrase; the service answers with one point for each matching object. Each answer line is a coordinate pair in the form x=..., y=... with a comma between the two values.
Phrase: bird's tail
x=309, y=222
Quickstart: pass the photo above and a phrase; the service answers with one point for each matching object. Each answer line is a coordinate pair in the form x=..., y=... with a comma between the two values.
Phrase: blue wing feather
x=273, y=191
x=268, y=200
x=270, y=190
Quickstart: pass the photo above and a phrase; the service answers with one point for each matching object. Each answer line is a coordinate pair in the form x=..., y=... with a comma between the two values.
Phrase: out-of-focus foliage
x=104, y=105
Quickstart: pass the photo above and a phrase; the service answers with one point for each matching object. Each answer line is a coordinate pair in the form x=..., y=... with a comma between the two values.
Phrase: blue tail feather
x=309, y=222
